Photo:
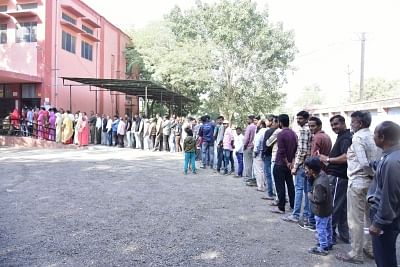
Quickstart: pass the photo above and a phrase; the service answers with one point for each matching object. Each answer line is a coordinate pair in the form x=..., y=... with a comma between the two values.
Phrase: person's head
x=189, y=132
x=261, y=124
x=115, y=117
x=257, y=119
x=283, y=120
x=204, y=119
x=268, y=120
x=302, y=118
x=360, y=120
x=315, y=124
x=387, y=134
x=225, y=123
x=338, y=124
x=312, y=167
x=91, y=113
x=238, y=130
x=250, y=119
x=126, y=116
x=275, y=122
x=220, y=119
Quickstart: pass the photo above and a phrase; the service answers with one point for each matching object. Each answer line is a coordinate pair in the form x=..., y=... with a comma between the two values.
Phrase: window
x=28, y=91
x=87, y=50
x=3, y=33
x=3, y=8
x=87, y=29
x=26, y=32
x=68, y=42
x=68, y=18
x=27, y=6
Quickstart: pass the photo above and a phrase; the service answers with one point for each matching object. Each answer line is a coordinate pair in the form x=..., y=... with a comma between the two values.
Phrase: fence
x=28, y=129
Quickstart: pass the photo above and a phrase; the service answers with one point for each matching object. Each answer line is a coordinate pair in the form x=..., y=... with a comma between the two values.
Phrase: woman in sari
x=58, y=124
x=14, y=116
x=35, y=123
x=52, y=125
x=40, y=122
x=84, y=132
x=78, y=121
x=67, y=129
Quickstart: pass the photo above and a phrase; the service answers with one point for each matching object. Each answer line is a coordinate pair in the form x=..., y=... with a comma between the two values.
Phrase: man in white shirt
x=239, y=151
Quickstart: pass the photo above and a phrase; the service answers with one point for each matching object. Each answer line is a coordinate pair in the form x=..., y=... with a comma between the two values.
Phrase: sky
x=327, y=35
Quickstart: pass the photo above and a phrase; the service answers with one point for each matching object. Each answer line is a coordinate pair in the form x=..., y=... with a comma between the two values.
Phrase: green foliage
x=250, y=54
x=376, y=88
x=310, y=96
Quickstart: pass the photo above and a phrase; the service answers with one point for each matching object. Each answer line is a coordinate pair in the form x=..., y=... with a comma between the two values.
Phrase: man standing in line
x=206, y=133
x=92, y=125
x=360, y=154
x=140, y=131
x=287, y=146
x=128, y=130
x=219, y=137
x=267, y=156
x=166, y=130
x=121, y=132
x=383, y=195
x=337, y=170
x=98, y=129
x=303, y=151
x=158, y=144
x=248, y=147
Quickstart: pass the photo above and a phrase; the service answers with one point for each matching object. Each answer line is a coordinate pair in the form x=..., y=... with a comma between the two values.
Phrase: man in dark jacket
x=321, y=205
x=383, y=195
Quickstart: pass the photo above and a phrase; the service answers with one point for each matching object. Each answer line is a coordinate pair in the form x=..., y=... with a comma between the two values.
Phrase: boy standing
x=189, y=146
x=321, y=205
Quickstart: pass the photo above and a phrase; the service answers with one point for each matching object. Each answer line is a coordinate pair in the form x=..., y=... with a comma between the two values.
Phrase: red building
x=43, y=40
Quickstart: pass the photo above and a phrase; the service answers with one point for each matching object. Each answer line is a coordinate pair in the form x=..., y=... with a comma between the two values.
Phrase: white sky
x=327, y=36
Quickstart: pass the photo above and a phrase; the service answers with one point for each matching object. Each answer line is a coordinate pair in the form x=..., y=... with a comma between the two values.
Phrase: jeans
x=220, y=157
x=228, y=158
x=300, y=187
x=324, y=230
x=282, y=175
x=248, y=163
x=339, y=213
x=268, y=176
x=109, y=136
x=384, y=245
x=189, y=157
x=239, y=157
x=207, y=150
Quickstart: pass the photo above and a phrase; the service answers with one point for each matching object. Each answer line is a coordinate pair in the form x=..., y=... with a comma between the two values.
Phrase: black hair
x=220, y=117
x=270, y=117
x=258, y=117
x=189, y=131
x=238, y=128
x=251, y=117
x=284, y=119
x=389, y=130
x=339, y=117
x=364, y=117
x=304, y=114
x=203, y=118
x=263, y=124
x=316, y=119
x=313, y=163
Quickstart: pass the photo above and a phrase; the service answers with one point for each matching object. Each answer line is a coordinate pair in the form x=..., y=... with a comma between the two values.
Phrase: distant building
x=381, y=110
x=43, y=40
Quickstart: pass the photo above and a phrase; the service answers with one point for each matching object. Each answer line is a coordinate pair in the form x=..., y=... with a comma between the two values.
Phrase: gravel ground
x=119, y=207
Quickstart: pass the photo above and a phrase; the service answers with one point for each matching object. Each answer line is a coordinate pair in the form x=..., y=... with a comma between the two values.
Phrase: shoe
x=251, y=183
x=318, y=251
x=226, y=173
x=330, y=247
x=237, y=176
x=307, y=226
x=202, y=166
x=185, y=173
x=290, y=218
x=268, y=198
x=194, y=172
x=260, y=190
x=347, y=258
x=277, y=210
x=273, y=203
x=368, y=254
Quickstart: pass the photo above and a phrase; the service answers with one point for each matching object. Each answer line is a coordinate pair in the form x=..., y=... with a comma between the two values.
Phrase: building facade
x=44, y=40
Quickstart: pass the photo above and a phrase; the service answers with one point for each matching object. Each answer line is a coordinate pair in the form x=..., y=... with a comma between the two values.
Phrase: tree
x=249, y=54
x=376, y=88
x=310, y=96
x=181, y=66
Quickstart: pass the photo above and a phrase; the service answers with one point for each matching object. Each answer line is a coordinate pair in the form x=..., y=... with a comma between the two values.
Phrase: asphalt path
x=107, y=206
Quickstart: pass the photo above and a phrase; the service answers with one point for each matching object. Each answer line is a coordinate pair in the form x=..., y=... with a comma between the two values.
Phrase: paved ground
x=119, y=207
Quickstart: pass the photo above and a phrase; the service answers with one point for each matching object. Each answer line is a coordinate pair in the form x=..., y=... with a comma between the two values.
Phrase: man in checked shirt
x=297, y=169
x=360, y=154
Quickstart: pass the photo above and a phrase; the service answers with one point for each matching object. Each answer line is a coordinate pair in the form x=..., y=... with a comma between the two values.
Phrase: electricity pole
x=349, y=79
x=362, y=66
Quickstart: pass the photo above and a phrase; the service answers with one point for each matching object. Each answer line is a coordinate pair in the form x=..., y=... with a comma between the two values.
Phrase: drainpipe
x=55, y=57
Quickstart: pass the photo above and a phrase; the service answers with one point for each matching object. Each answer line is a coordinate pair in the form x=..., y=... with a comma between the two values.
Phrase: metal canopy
x=140, y=88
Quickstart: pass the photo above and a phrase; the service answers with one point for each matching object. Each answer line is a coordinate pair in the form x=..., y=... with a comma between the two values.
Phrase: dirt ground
x=121, y=207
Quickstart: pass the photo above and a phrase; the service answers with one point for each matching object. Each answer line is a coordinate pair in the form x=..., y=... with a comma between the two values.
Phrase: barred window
x=87, y=50
x=3, y=33
x=26, y=32
x=68, y=42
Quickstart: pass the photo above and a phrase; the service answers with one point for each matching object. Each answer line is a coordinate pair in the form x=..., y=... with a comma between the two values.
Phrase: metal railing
x=28, y=129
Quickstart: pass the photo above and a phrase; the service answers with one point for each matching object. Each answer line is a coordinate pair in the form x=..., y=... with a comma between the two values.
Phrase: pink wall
x=48, y=60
